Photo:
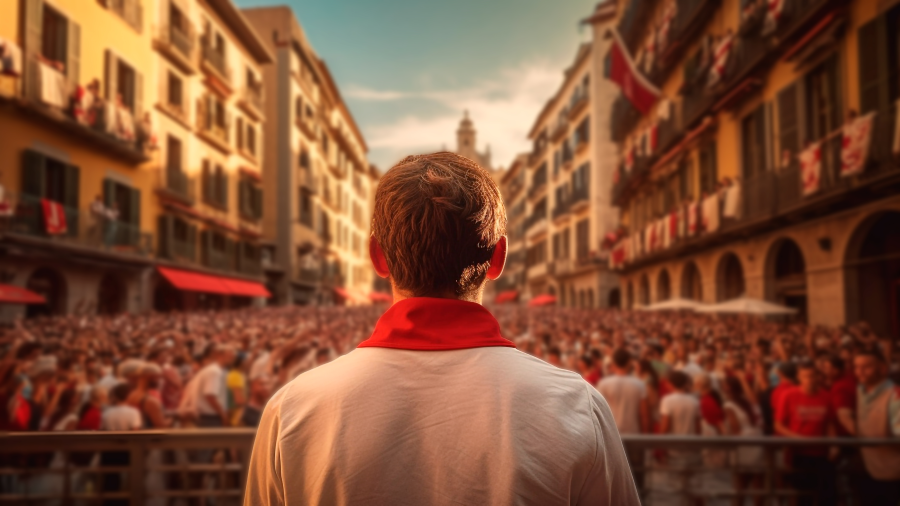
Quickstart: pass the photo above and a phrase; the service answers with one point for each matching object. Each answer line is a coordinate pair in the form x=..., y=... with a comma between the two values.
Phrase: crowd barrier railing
x=183, y=466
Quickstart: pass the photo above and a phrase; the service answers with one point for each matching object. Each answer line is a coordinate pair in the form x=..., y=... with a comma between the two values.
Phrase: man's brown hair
x=438, y=218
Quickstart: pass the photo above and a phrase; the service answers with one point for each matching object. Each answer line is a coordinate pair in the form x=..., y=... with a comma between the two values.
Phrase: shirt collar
x=426, y=323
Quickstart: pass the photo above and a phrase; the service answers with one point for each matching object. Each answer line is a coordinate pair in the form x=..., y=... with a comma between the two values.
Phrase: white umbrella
x=746, y=305
x=677, y=304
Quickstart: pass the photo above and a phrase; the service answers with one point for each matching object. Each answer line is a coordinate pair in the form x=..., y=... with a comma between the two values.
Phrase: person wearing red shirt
x=807, y=411
x=787, y=381
x=842, y=387
x=90, y=414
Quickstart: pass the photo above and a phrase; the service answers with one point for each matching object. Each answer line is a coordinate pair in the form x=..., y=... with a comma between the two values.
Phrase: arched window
x=663, y=286
x=729, y=278
x=644, y=291
x=691, y=282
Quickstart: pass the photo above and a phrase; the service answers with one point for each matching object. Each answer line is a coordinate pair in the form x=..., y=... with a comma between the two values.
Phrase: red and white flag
x=811, y=168
x=54, y=217
x=855, y=145
x=665, y=25
x=637, y=89
x=673, y=225
x=774, y=9
x=720, y=59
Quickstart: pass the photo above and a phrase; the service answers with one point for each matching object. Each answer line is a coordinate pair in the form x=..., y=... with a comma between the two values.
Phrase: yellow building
x=768, y=167
x=566, y=182
x=318, y=177
x=130, y=137
x=511, y=285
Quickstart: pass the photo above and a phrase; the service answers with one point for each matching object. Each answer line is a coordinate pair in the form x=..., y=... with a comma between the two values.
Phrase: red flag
x=811, y=168
x=54, y=217
x=622, y=71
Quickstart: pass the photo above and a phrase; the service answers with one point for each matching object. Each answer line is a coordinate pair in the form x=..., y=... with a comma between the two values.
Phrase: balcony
x=579, y=103
x=83, y=228
x=177, y=44
x=578, y=199
x=560, y=129
x=215, y=64
x=251, y=101
x=690, y=19
x=537, y=271
x=535, y=224
x=309, y=275
x=210, y=129
x=774, y=198
x=624, y=119
x=561, y=209
x=175, y=184
x=538, y=183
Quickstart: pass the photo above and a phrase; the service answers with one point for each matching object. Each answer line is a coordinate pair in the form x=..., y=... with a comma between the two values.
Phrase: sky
x=408, y=69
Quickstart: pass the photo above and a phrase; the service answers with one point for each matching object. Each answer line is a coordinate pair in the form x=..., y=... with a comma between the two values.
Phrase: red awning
x=542, y=300
x=205, y=283
x=246, y=288
x=507, y=296
x=11, y=294
x=343, y=293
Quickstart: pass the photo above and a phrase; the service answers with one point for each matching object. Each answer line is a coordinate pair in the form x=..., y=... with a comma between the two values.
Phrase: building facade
x=318, y=177
x=130, y=137
x=511, y=285
x=767, y=167
x=567, y=177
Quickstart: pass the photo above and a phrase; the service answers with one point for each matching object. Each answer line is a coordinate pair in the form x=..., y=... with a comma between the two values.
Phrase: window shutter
x=112, y=75
x=33, y=173
x=873, y=65
x=205, y=247
x=72, y=186
x=73, y=58
x=230, y=255
x=243, y=198
x=223, y=190
x=192, y=242
x=240, y=133
x=135, y=207
x=206, y=182
x=164, y=236
x=34, y=23
x=227, y=125
x=788, y=121
x=109, y=192
x=138, y=96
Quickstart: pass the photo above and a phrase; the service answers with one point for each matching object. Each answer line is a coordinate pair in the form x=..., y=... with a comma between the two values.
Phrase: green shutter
x=134, y=212
x=206, y=182
x=72, y=185
x=192, y=242
x=243, y=198
x=33, y=173
x=230, y=253
x=873, y=65
x=164, y=232
x=109, y=192
x=788, y=121
x=205, y=247
x=257, y=201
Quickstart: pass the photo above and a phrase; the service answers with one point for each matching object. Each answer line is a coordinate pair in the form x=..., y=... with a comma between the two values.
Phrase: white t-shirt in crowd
x=210, y=381
x=487, y=425
x=121, y=417
x=624, y=395
x=684, y=410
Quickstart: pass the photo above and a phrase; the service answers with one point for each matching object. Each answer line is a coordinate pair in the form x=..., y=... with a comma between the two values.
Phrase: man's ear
x=378, y=260
x=498, y=260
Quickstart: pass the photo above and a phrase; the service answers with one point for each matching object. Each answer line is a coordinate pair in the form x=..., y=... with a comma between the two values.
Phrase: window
x=173, y=154
x=564, y=242
x=128, y=10
x=753, y=139
x=788, y=124
x=125, y=85
x=126, y=200
x=49, y=178
x=306, y=208
x=177, y=19
x=304, y=159
x=240, y=133
x=582, y=247
x=215, y=185
x=686, y=178
x=823, y=100
x=251, y=139
x=174, y=97
x=122, y=80
x=250, y=195
x=54, y=36
x=708, y=176
x=879, y=52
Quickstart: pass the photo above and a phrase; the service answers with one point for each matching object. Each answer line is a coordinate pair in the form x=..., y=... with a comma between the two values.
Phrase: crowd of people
x=674, y=373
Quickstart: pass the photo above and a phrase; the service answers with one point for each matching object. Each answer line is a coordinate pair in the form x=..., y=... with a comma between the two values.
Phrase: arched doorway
x=614, y=300
x=572, y=301
x=663, y=286
x=786, y=276
x=872, y=280
x=729, y=278
x=644, y=291
x=562, y=295
x=52, y=286
x=691, y=282
x=629, y=295
x=552, y=290
x=581, y=300
x=590, y=298
x=111, y=295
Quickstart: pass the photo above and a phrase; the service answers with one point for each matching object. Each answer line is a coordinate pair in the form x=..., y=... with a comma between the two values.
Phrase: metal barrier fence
x=184, y=467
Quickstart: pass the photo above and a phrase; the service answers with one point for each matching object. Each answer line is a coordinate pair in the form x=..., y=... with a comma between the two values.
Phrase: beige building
x=130, y=135
x=567, y=179
x=773, y=171
x=511, y=284
x=318, y=182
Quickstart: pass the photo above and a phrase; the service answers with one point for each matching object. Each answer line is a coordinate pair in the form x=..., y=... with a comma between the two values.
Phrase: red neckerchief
x=430, y=324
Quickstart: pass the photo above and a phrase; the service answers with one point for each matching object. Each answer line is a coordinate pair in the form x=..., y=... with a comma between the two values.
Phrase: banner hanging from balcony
x=810, y=168
x=774, y=9
x=721, y=54
x=855, y=145
x=54, y=217
x=622, y=70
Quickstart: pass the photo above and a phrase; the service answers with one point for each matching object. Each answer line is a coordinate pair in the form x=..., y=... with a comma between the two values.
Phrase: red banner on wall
x=637, y=89
x=54, y=217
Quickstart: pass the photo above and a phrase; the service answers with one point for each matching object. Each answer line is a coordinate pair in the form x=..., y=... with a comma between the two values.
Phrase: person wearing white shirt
x=436, y=407
x=626, y=395
x=210, y=389
x=118, y=417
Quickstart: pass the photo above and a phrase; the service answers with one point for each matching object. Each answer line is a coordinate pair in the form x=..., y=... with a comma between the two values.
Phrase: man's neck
x=869, y=387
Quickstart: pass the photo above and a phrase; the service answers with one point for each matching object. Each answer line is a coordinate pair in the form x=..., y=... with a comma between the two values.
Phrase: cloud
x=503, y=109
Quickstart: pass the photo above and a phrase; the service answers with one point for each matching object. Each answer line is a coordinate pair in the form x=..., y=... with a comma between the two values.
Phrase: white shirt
x=210, y=381
x=624, y=395
x=684, y=410
x=489, y=425
x=121, y=417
